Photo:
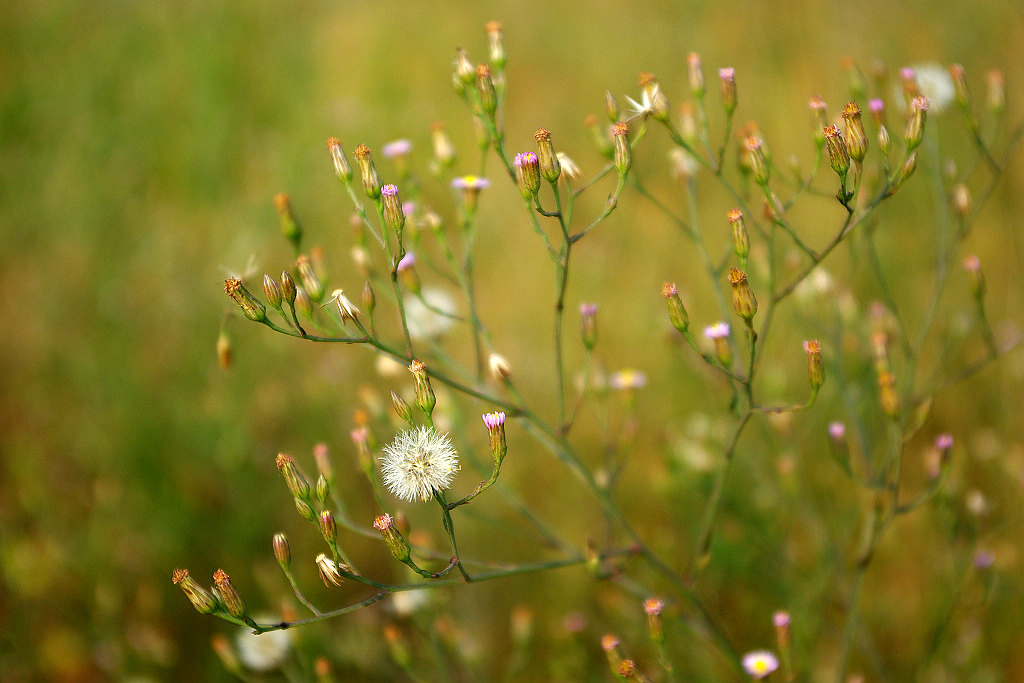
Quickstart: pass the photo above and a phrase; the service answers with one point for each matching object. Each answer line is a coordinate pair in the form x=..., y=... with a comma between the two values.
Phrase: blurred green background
x=140, y=147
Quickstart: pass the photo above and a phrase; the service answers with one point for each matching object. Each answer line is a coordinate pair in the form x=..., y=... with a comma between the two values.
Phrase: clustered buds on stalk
x=367, y=171
x=289, y=226
x=250, y=305
x=676, y=311
x=425, y=399
x=549, y=166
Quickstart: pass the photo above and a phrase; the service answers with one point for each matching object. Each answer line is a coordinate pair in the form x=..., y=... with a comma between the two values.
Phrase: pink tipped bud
x=341, y=165
x=676, y=311
x=695, y=74
x=394, y=216
x=623, y=153
x=588, y=324
x=495, y=423
x=728, y=79
x=527, y=167
x=815, y=368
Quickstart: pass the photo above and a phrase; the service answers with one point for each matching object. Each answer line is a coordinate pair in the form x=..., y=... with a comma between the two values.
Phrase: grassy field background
x=141, y=145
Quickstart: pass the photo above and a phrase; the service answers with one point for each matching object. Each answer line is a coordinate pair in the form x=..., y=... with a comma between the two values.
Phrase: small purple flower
x=389, y=191
x=396, y=149
x=524, y=158
x=408, y=261
x=471, y=182
x=984, y=559
x=837, y=430
x=588, y=309
x=876, y=105
x=780, y=619
x=944, y=442
x=727, y=74
x=760, y=663
x=493, y=420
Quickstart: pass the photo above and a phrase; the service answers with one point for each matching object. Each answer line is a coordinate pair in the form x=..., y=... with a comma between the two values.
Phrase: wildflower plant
x=770, y=257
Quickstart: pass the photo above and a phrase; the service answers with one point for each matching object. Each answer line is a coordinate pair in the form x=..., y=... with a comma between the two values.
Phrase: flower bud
x=305, y=509
x=496, y=47
x=227, y=594
x=369, y=298
x=500, y=370
x=695, y=75
x=287, y=288
x=329, y=571
x=322, y=489
x=996, y=98
x=728, y=78
x=203, y=601
x=961, y=201
x=740, y=237
x=272, y=291
x=527, y=168
x=902, y=173
x=973, y=267
x=470, y=186
x=310, y=280
x=444, y=151
x=887, y=396
x=611, y=106
x=652, y=608
x=425, y=399
x=819, y=119
x=250, y=305
x=224, y=350
x=623, y=152
x=914, y=132
x=588, y=325
x=401, y=407
x=329, y=528
x=815, y=368
x=549, y=167
x=282, y=551
x=485, y=87
x=856, y=139
x=837, y=154
x=289, y=226
x=758, y=161
x=341, y=165
x=742, y=298
x=297, y=483
x=394, y=217
x=599, y=136
x=495, y=423
x=956, y=73
x=676, y=311
x=463, y=67
x=396, y=543
x=303, y=304
x=884, y=142
x=719, y=336
x=367, y=171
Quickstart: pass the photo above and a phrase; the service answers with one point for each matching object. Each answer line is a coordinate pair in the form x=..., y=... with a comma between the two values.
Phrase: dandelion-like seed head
x=760, y=663
x=419, y=463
